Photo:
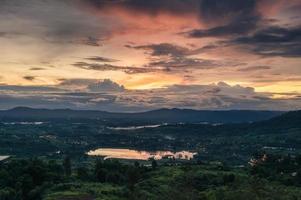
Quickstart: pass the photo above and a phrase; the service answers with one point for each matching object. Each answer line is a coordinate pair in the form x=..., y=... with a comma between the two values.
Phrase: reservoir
x=140, y=155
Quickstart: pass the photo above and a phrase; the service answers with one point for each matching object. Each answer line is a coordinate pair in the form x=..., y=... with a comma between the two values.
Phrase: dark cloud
x=106, y=86
x=273, y=41
x=238, y=27
x=97, y=66
x=165, y=49
x=169, y=57
x=3, y=34
x=9, y=34
x=174, y=63
x=225, y=11
x=254, y=68
x=37, y=68
x=91, y=41
x=274, y=35
x=226, y=18
x=109, y=67
x=101, y=59
x=52, y=21
x=29, y=78
x=17, y=88
x=76, y=82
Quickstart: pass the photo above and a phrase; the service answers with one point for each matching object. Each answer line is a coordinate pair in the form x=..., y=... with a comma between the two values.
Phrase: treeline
x=28, y=179
x=269, y=176
x=282, y=168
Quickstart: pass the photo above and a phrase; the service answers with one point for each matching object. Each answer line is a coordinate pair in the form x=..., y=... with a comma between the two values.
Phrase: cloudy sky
x=135, y=55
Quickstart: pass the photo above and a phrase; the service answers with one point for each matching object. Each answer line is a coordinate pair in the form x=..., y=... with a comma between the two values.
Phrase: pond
x=140, y=155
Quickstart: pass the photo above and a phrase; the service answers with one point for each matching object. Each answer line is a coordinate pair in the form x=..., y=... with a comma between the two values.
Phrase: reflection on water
x=140, y=155
x=23, y=123
x=135, y=127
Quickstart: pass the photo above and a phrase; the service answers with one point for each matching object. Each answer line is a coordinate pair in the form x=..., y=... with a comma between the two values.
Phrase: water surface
x=135, y=127
x=23, y=123
x=140, y=155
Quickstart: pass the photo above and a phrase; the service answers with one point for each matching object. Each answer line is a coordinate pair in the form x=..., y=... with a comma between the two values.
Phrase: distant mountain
x=155, y=116
x=195, y=116
x=286, y=121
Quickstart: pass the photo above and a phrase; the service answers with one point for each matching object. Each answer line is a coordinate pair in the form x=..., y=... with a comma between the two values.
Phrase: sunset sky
x=136, y=55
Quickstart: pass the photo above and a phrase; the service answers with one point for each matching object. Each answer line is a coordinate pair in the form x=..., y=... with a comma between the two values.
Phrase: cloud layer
x=110, y=96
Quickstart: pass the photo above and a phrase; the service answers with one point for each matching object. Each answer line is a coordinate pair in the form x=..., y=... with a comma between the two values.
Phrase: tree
x=67, y=166
x=82, y=173
x=4, y=178
x=228, y=178
x=133, y=176
x=100, y=171
x=154, y=164
x=113, y=177
x=8, y=194
x=26, y=185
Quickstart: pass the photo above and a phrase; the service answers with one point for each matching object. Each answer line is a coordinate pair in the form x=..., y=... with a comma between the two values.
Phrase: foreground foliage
x=272, y=177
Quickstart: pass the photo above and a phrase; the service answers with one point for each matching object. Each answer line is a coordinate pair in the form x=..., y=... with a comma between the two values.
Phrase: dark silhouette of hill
x=284, y=121
x=155, y=116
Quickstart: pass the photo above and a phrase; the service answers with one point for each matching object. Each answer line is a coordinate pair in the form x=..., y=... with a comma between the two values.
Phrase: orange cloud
x=146, y=23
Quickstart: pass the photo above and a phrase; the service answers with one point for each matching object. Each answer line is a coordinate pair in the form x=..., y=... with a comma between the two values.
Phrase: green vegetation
x=272, y=177
x=49, y=162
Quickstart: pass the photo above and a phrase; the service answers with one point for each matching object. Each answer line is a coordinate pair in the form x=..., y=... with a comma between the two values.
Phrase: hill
x=154, y=116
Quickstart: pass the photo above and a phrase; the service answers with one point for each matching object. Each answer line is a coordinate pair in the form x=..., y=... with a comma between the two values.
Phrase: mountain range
x=155, y=116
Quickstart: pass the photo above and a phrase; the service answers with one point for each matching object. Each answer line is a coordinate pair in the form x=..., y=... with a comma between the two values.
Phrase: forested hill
x=288, y=119
x=282, y=123
x=155, y=116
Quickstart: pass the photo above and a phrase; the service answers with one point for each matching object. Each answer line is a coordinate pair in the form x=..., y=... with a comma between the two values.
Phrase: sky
x=137, y=55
